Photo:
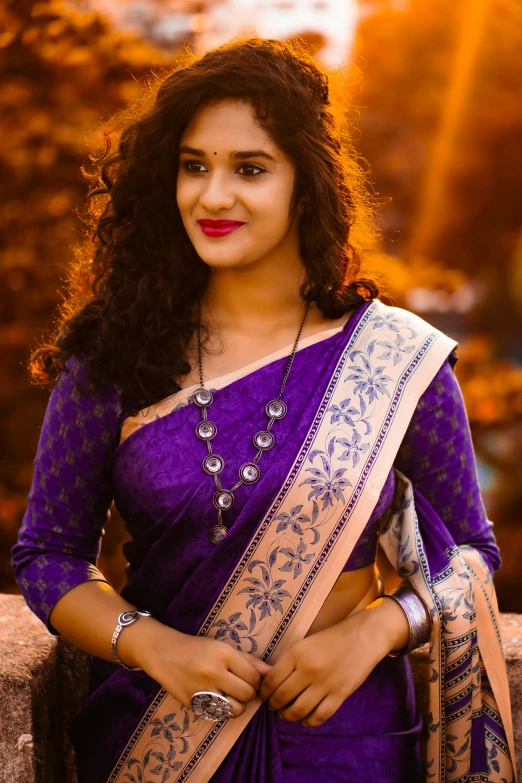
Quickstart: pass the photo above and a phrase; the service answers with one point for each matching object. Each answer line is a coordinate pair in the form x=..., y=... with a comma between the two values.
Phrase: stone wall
x=43, y=682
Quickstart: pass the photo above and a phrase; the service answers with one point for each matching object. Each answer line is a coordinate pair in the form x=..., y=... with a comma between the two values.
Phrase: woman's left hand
x=312, y=679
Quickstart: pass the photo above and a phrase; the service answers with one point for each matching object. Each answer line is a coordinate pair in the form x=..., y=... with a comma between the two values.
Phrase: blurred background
x=437, y=110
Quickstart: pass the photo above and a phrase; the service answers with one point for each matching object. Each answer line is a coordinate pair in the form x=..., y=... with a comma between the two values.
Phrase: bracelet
x=126, y=618
x=417, y=614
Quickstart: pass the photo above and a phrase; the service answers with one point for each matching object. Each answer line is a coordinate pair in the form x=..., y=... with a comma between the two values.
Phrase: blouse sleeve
x=438, y=457
x=71, y=493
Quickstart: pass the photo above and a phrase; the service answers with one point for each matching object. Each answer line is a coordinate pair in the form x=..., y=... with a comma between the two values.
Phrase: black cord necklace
x=213, y=464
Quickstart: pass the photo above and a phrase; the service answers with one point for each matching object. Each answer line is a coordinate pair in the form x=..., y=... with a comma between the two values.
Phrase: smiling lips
x=219, y=228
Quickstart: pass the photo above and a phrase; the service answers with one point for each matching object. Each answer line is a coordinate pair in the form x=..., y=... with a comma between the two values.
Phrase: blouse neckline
x=224, y=380
x=168, y=405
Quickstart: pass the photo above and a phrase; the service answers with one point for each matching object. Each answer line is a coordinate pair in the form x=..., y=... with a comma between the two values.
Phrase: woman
x=274, y=554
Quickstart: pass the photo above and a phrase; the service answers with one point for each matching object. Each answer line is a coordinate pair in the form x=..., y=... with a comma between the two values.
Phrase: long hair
x=135, y=276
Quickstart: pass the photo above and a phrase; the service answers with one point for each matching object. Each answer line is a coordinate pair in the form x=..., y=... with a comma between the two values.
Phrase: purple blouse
x=72, y=489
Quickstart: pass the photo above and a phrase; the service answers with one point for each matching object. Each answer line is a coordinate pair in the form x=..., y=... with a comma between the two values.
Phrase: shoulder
x=398, y=318
x=73, y=390
x=397, y=328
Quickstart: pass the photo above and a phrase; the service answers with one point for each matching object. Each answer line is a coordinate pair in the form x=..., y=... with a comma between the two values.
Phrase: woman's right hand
x=184, y=664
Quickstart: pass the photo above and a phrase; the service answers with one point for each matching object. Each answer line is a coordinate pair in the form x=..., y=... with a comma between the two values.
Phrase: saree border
x=468, y=679
x=491, y=649
x=425, y=356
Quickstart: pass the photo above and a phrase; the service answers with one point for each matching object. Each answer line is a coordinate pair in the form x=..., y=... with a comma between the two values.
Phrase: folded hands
x=312, y=679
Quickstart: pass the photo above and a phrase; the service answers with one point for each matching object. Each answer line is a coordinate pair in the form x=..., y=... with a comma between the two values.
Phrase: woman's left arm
x=438, y=457
x=312, y=679
x=319, y=672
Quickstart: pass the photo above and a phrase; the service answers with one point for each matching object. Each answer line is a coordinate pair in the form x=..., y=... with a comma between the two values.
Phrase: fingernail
x=272, y=709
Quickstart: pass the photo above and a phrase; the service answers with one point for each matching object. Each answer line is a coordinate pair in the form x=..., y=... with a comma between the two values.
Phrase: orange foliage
x=60, y=73
x=492, y=387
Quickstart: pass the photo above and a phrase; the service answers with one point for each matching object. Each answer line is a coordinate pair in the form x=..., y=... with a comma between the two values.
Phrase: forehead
x=225, y=124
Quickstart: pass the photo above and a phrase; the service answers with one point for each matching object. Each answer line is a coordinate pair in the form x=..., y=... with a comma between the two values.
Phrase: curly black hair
x=130, y=307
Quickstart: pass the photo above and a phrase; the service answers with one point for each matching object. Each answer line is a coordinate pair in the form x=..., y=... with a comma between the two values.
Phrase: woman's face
x=217, y=182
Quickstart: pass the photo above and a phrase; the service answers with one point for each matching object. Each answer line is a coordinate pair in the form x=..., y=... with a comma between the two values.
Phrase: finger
x=277, y=675
x=244, y=666
x=262, y=667
x=237, y=687
x=304, y=704
x=288, y=691
x=324, y=710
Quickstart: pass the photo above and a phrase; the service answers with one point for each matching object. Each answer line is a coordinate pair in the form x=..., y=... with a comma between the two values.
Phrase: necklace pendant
x=217, y=533
x=213, y=464
x=249, y=472
x=223, y=499
x=276, y=409
x=263, y=440
x=202, y=397
x=206, y=430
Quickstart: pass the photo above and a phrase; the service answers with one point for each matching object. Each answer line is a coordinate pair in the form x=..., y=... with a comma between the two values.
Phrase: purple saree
x=151, y=467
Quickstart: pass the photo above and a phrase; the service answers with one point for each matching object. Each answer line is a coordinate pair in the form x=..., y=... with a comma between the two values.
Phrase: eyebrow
x=238, y=155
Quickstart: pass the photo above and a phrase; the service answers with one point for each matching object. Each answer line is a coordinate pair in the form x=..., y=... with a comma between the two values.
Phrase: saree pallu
x=262, y=586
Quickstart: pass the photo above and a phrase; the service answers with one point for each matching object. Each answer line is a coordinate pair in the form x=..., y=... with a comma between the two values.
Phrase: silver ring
x=211, y=705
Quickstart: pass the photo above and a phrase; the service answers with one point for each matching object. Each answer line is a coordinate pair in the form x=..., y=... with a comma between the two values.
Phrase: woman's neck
x=255, y=299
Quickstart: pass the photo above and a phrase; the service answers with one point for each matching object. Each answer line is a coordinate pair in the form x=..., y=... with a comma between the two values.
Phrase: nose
x=216, y=194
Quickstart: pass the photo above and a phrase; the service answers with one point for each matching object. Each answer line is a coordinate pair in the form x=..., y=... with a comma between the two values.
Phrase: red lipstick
x=219, y=228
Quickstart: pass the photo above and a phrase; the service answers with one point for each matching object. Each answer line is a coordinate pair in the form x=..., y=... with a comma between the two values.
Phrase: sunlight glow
x=431, y=201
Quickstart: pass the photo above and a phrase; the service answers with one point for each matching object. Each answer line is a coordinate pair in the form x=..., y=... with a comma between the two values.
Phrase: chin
x=224, y=260
x=224, y=263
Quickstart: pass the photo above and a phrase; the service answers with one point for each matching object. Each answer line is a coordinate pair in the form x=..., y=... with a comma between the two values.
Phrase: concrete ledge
x=44, y=681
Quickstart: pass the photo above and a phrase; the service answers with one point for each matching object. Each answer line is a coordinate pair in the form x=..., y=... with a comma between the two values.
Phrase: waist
x=352, y=591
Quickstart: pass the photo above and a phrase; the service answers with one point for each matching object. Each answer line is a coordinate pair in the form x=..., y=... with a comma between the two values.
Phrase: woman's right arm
x=71, y=492
x=54, y=559
x=181, y=663
x=86, y=616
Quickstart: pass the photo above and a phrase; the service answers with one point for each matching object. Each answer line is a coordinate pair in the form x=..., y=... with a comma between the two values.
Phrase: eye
x=252, y=166
x=186, y=164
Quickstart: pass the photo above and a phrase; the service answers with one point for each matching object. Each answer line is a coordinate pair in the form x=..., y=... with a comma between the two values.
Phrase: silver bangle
x=126, y=618
x=417, y=614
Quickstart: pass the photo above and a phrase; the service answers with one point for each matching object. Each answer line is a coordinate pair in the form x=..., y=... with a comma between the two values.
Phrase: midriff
x=351, y=589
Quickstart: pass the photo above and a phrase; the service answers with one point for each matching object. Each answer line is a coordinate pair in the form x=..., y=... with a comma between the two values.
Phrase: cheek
x=186, y=193
x=271, y=216
x=273, y=201
x=270, y=204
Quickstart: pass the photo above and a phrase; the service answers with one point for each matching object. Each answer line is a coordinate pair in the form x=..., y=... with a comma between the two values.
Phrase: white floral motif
x=395, y=350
